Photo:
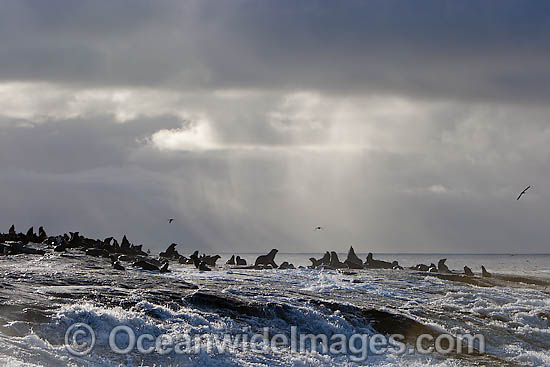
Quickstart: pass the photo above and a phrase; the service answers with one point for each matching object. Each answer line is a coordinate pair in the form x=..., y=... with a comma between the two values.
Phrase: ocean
x=42, y=297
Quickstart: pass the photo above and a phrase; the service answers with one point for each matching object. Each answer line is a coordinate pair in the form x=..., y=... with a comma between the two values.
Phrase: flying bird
x=523, y=192
x=170, y=220
x=318, y=228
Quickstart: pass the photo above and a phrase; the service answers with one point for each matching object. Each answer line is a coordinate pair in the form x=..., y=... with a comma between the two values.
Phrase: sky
x=397, y=126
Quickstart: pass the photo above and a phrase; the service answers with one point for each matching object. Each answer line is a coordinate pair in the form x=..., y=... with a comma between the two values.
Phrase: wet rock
x=118, y=266
x=202, y=266
x=396, y=266
x=97, y=252
x=145, y=265
x=420, y=267
x=285, y=265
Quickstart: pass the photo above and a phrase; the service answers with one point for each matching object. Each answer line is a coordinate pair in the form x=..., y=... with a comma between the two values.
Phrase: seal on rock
x=286, y=265
x=171, y=252
x=145, y=265
x=315, y=263
x=420, y=267
x=371, y=263
x=353, y=261
x=210, y=260
x=441, y=267
x=42, y=236
x=268, y=259
x=484, y=272
x=396, y=266
x=202, y=266
x=335, y=262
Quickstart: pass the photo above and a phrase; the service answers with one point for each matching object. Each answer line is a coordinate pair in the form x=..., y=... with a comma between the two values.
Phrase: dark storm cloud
x=449, y=49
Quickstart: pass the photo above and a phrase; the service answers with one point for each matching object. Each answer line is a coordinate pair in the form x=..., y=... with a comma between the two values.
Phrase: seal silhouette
x=441, y=267
x=484, y=272
x=231, y=261
x=353, y=261
x=371, y=263
x=268, y=259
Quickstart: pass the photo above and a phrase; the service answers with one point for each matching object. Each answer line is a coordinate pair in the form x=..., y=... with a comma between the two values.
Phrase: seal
x=240, y=261
x=335, y=261
x=441, y=267
x=315, y=263
x=30, y=236
x=12, y=234
x=203, y=267
x=485, y=273
x=371, y=263
x=145, y=265
x=268, y=259
x=396, y=265
x=286, y=265
x=210, y=260
x=125, y=244
x=468, y=272
x=353, y=261
x=420, y=267
x=42, y=236
x=231, y=261
x=97, y=252
x=325, y=260
x=171, y=252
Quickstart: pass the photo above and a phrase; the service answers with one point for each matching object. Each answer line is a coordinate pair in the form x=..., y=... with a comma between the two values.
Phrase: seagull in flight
x=170, y=220
x=318, y=228
x=523, y=192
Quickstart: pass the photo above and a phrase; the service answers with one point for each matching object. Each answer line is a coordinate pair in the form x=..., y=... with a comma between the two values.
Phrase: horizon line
x=403, y=253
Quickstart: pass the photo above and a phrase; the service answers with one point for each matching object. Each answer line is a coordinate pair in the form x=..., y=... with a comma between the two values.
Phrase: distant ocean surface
x=519, y=264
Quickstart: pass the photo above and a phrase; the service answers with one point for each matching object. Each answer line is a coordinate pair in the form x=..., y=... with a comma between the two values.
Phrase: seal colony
x=13, y=243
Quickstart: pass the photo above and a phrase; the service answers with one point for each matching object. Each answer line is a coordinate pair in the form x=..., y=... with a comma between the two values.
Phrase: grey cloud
x=228, y=200
x=70, y=146
x=443, y=49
